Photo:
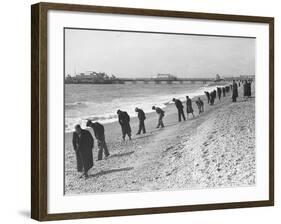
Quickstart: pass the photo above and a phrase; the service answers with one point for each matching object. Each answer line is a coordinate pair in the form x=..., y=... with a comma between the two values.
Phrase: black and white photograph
x=150, y=111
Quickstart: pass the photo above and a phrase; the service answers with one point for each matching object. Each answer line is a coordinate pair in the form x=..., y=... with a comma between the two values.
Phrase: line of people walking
x=83, y=142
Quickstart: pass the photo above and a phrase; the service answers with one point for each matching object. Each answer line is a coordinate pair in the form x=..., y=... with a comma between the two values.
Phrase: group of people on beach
x=83, y=141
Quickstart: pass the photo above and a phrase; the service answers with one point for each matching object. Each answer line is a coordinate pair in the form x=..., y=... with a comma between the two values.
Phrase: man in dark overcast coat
x=83, y=144
x=179, y=106
x=124, y=121
x=142, y=117
x=100, y=136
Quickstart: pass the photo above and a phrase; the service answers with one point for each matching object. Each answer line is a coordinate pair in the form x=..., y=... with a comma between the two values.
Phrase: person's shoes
x=98, y=160
x=81, y=176
x=86, y=177
x=137, y=133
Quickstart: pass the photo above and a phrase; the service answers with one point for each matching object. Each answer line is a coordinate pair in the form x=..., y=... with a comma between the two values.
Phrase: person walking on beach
x=141, y=116
x=189, y=108
x=249, y=88
x=223, y=91
x=124, y=121
x=179, y=106
x=83, y=144
x=245, y=89
x=161, y=114
x=208, y=96
x=212, y=96
x=234, y=91
x=219, y=92
x=200, y=105
x=99, y=134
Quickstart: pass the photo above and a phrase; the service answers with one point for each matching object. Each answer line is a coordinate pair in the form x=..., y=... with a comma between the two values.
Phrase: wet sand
x=214, y=149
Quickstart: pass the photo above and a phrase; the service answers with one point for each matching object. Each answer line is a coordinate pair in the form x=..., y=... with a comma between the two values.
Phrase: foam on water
x=104, y=108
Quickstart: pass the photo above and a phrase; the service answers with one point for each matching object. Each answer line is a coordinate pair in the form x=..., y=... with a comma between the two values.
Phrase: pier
x=166, y=81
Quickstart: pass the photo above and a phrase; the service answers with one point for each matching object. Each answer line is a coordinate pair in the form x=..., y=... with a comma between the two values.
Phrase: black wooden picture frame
x=39, y=192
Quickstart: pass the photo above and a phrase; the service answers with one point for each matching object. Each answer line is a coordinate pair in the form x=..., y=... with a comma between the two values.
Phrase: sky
x=134, y=54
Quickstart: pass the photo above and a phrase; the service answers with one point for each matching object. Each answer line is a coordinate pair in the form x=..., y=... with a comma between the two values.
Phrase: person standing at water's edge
x=200, y=105
x=219, y=93
x=124, y=121
x=83, y=144
x=161, y=114
x=208, y=96
x=141, y=116
x=189, y=108
x=99, y=134
x=179, y=106
x=234, y=91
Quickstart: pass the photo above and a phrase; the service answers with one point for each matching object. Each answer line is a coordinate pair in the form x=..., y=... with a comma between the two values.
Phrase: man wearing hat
x=179, y=106
x=161, y=114
x=141, y=116
x=124, y=121
x=83, y=144
x=99, y=134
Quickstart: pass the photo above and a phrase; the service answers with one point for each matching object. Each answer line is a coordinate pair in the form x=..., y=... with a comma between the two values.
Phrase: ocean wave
x=105, y=112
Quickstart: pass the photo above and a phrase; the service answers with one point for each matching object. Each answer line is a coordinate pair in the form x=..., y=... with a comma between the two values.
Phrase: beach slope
x=215, y=149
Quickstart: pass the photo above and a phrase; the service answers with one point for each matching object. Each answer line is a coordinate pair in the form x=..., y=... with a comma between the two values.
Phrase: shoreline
x=112, y=118
x=157, y=160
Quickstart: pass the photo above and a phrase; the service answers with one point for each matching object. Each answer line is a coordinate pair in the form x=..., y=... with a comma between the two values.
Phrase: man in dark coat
x=200, y=105
x=234, y=91
x=219, y=92
x=223, y=91
x=83, y=144
x=245, y=88
x=124, y=121
x=142, y=117
x=249, y=88
x=179, y=106
x=99, y=134
x=189, y=109
x=208, y=96
x=161, y=114
x=212, y=96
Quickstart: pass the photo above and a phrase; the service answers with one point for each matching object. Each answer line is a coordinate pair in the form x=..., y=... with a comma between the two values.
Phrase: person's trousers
x=141, y=127
x=102, y=148
x=160, y=121
x=181, y=114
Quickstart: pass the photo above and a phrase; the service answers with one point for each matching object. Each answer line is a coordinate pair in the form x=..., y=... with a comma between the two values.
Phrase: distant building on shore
x=91, y=77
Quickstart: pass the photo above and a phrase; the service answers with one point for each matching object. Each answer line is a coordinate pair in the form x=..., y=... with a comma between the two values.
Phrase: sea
x=100, y=102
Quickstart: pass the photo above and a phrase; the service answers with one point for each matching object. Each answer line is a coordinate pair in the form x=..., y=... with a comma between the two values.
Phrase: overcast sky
x=130, y=54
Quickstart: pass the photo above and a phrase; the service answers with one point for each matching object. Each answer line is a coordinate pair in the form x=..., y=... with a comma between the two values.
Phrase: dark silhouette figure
x=99, y=134
x=83, y=144
x=234, y=91
x=213, y=97
x=161, y=114
x=124, y=121
x=189, y=109
x=219, y=92
x=179, y=106
x=208, y=96
x=142, y=117
x=249, y=88
x=223, y=91
x=200, y=105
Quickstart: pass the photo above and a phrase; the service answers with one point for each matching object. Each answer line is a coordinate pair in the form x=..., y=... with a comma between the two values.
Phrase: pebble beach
x=214, y=149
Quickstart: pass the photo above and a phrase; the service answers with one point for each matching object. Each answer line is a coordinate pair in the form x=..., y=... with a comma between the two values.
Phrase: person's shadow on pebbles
x=122, y=154
x=104, y=172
